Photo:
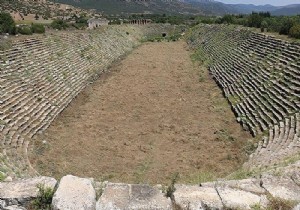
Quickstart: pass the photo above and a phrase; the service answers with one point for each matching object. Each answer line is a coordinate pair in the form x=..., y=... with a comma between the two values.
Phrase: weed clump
x=279, y=203
x=2, y=177
x=44, y=198
x=171, y=188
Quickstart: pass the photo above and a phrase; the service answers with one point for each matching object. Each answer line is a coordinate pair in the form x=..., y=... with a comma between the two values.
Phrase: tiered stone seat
x=259, y=75
x=39, y=77
x=283, y=141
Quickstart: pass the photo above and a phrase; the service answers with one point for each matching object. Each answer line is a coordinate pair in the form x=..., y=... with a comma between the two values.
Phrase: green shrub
x=295, y=31
x=7, y=24
x=26, y=30
x=171, y=188
x=79, y=26
x=44, y=198
x=286, y=25
x=256, y=19
x=263, y=26
x=38, y=28
x=2, y=177
x=229, y=19
x=59, y=24
x=36, y=16
x=80, y=22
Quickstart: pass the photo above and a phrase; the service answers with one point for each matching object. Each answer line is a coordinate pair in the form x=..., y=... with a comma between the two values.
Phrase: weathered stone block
x=196, y=197
x=117, y=196
x=250, y=185
x=22, y=191
x=281, y=187
x=238, y=199
x=74, y=193
x=297, y=207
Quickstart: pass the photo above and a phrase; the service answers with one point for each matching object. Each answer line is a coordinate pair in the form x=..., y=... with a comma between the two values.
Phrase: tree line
x=7, y=25
x=286, y=25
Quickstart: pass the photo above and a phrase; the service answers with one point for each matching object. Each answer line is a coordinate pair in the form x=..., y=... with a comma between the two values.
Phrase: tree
x=36, y=16
x=274, y=24
x=286, y=26
x=38, y=28
x=295, y=31
x=265, y=14
x=59, y=24
x=25, y=30
x=263, y=25
x=47, y=15
x=7, y=24
x=255, y=19
x=229, y=19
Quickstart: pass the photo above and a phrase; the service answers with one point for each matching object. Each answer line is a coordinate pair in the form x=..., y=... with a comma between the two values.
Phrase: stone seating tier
x=259, y=75
x=41, y=76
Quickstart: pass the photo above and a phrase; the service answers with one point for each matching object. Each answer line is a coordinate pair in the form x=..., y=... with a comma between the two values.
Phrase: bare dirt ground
x=147, y=119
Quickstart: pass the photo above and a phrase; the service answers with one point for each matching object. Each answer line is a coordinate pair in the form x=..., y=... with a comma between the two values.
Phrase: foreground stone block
x=282, y=187
x=238, y=199
x=21, y=192
x=74, y=193
x=297, y=207
x=249, y=185
x=196, y=197
x=117, y=196
x=14, y=207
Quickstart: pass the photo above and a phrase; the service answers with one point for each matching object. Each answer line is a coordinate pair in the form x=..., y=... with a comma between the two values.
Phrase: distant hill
x=210, y=7
x=288, y=10
x=37, y=10
x=282, y=10
x=249, y=8
x=202, y=7
x=135, y=6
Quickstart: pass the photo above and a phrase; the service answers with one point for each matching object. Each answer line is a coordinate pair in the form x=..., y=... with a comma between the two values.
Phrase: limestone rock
x=2, y=204
x=117, y=196
x=296, y=178
x=250, y=185
x=74, y=193
x=8, y=179
x=22, y=191
x=14, y=207
x=238, y=199
x=196, y=197
x=297, y=207
x=281, y=187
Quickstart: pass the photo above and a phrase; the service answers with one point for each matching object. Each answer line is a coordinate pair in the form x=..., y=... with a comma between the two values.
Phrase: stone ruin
x=258, y=74
x=97, y=22
x=140, y=21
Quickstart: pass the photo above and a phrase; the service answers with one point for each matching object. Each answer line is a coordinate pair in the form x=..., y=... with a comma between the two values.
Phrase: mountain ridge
x=123, y=7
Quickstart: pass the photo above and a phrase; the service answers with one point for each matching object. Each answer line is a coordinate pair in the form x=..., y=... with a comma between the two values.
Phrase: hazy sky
x=262, y=2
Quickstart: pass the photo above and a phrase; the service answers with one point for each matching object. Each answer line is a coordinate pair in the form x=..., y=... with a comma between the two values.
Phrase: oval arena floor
x=146, y=119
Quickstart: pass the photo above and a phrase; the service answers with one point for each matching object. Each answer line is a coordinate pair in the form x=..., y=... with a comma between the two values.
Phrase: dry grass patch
x=147, y=119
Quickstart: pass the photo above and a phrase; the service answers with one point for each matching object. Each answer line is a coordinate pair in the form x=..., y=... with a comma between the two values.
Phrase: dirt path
x=149, y=118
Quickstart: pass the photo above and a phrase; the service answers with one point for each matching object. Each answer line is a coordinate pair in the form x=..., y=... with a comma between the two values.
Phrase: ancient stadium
x=112, y=119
